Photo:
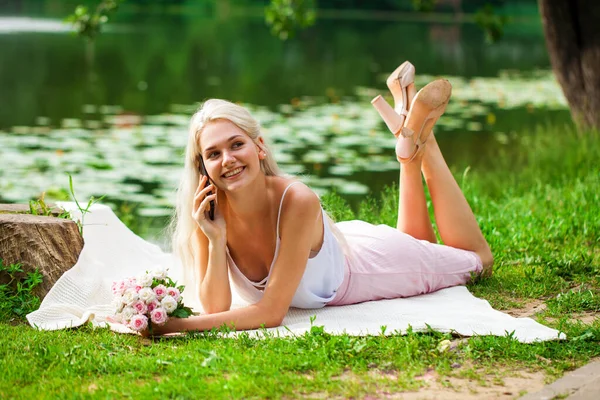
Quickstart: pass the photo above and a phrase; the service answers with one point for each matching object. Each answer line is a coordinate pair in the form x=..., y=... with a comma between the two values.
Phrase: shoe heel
x=393, y=121
x=398, y=82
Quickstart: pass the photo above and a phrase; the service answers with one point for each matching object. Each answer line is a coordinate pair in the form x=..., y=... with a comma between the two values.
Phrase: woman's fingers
x=201, y=184
x=204, y=207
x=200, y=195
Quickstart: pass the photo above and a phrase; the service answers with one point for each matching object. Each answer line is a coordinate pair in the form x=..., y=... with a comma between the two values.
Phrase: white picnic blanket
x=113, y=252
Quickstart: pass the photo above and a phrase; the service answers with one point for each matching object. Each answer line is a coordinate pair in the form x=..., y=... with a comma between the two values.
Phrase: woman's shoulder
x=298, y=204
x=294, y=190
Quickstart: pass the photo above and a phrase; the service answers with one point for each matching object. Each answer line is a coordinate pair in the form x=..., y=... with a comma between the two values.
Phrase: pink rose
x=174, y=293
x=154, y=304
x=118, y=287
x=140, y=307
x=158, y=316
x=138, y=287
x=160, y=291
x=130, y=283
x=138, y=322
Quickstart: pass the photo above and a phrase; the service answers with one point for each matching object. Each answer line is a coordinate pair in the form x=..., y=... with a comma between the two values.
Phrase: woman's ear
x=262, y=154
x=261, y=143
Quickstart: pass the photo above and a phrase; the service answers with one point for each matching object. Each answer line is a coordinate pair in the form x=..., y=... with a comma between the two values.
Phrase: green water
x=119, y=124
x=148, y=61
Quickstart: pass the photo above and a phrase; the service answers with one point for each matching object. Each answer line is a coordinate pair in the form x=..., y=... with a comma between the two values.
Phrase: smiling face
x=231, y=157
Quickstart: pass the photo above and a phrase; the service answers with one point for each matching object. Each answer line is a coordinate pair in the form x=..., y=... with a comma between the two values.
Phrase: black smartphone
x=211, y=212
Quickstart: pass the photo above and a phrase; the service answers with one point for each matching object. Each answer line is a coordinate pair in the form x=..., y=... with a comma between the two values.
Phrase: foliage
x=85, y=210
x=285, y=16
x=16, y=295
x=423, y=5
x=89, y=24
x=491, y=23
x=337, y=208
x=39, y=207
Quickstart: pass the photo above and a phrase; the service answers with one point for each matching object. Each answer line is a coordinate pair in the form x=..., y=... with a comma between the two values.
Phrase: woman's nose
x=228, y=158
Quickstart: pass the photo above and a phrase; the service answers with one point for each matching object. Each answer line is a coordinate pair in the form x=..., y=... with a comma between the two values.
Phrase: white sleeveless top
x=322, y=277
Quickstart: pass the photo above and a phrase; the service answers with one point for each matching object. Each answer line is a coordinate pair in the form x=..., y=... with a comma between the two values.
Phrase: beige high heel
x=401, y=83
x=426, y=108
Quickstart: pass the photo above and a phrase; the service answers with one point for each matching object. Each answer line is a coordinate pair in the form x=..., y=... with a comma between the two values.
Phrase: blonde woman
x=271, y=238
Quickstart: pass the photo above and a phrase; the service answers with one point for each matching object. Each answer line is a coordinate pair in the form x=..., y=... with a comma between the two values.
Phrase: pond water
x=118, y=125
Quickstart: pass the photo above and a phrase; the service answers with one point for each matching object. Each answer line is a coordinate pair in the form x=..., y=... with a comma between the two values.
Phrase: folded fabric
x=112, y=252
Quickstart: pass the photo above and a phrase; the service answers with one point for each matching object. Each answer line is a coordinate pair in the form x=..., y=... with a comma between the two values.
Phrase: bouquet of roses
x=151, y=298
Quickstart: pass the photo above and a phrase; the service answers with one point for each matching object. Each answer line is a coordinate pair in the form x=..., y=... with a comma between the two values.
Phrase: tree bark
x=573, y=41
x=48, y=243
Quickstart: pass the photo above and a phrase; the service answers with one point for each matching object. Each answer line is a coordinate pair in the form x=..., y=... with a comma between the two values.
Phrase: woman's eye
x=238, y=144
x=213, y=154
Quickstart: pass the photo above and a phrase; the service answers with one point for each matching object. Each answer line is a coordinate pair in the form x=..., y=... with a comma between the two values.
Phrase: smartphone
x=211, y=212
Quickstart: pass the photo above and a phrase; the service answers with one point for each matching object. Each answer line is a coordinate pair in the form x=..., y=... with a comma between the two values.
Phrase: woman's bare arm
x=213, y=284
x=298, y=222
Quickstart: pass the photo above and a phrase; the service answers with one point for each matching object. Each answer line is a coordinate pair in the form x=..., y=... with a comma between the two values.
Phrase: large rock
x=49, y=243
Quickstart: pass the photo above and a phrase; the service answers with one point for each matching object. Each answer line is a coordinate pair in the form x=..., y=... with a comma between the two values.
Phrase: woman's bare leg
x=413, y=217
x=455, y=220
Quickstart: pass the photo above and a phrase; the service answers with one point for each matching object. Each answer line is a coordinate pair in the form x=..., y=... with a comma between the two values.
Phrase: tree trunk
x=51, y=244
x=573, y=41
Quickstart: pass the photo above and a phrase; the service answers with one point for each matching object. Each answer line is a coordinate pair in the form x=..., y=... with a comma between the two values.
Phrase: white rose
x=147, y=295
x=169, y=303
x=145, y=280
x=128, y=313
x=160, y=273
x=117, y=304
x=130, y=296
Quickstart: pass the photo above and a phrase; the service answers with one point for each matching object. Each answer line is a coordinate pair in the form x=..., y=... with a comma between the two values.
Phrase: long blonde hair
x=183, y=223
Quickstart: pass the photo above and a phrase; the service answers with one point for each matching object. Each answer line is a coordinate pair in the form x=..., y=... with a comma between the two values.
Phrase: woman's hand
x=216, y=229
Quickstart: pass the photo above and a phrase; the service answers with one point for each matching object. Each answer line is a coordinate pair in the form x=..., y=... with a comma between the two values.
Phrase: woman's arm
x=298, y=224
x=250, y=317
x=213, y=284
x=208, y=244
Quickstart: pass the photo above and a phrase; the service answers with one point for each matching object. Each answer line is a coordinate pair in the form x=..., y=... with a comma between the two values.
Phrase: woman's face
x=231, y=158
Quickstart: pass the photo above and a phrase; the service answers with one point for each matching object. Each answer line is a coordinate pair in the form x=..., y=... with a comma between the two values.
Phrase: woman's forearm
x=251, y=317
x=214, y=288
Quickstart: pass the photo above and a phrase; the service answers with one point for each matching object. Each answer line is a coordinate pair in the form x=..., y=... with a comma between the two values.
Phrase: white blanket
x=113, y=252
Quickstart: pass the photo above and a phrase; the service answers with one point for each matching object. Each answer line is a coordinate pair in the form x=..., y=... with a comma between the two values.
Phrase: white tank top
x=322, y=277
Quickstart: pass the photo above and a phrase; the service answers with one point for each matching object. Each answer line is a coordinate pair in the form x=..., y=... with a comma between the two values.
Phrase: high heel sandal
x=401, y=83
x=426, y=108
x=398, y=82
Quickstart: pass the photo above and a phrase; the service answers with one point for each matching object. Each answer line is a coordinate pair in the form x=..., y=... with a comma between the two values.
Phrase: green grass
x=540, y=214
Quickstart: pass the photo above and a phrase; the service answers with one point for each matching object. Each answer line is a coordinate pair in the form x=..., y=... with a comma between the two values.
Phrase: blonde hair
x=183, y=223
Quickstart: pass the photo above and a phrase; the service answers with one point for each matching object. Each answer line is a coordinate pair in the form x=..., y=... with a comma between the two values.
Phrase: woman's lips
x=236, y=175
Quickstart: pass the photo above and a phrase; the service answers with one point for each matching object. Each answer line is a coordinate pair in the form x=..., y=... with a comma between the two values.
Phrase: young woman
x=272, y=239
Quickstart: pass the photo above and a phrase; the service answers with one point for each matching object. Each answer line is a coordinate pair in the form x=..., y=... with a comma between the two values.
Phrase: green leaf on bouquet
x=182, y=312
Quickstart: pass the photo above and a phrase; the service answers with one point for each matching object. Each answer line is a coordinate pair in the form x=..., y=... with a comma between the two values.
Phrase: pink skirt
x=385, y=263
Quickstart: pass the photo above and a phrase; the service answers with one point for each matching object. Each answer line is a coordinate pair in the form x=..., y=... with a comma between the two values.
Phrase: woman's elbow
x=216, y=310
x=274, y=322
x=270, y=317
x=213, y=308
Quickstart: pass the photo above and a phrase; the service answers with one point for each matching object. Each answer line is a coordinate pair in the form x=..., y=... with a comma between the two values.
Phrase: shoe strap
x=419, y=145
